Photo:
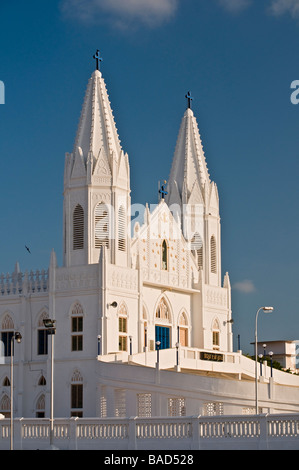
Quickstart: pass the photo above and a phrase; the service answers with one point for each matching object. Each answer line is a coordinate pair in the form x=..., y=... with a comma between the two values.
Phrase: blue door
x=162, y=335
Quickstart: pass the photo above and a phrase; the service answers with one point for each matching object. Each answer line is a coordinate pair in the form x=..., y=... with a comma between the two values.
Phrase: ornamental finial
x=98, y=59
x=189, y=98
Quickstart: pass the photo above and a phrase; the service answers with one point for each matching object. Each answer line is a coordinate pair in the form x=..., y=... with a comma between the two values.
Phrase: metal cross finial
x=189, y=98
x=98, y=59
x=163, y=191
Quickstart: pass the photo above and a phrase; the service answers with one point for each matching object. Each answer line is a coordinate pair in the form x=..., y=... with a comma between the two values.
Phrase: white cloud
x=246, y=286
x=121, y=12
x=280, y=7
x=235, y=6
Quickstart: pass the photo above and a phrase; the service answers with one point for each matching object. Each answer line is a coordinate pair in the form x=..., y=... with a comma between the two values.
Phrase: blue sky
x=237, y=57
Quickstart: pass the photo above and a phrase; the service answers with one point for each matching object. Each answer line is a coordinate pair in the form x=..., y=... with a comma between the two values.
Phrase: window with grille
x=78, y=228
x=120, y=403
x=103, y=405
x=102, y=226
x=176, y=406
x=213, y=409
x=121, y=229
x=144, y=404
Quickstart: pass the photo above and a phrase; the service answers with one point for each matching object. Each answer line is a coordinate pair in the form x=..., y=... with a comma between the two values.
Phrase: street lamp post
x=271, y=359
x=130, y=338
x=50, y=326
x=266, y=310
x=261, y=364
x=158, y=344
x=18, y=337
x=99, y=345
x=177, y=345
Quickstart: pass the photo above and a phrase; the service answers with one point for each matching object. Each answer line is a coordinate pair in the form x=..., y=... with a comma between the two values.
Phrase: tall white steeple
x=191, y=190
x=96, y=184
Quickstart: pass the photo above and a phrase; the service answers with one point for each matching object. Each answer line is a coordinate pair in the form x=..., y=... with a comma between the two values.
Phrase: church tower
x=96, y=184
x=193, y=195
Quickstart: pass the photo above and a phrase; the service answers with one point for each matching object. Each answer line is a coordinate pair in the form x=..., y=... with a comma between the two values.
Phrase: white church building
x=143, y=320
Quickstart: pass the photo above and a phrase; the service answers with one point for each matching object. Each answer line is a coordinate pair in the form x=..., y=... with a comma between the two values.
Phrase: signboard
x=207, y=356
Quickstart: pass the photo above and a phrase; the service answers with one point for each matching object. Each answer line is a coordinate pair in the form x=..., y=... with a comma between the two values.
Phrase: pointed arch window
x=216, y=335
x=77, y=394
x=213, y=255
x=162, y=312
x=102, y=226
x=122, y=328
x=78, y=228
x=183, y=329
x=40, y=407
x=162, y=326
x=6, y=382
x=42, y=335
x=7, y=327
x=164, y=256
x=121, y=229
x=42, y=381
x=197, y=249
x=5, y=406
x=77, y=327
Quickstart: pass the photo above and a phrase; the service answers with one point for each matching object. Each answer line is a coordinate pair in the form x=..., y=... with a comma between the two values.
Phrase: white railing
x=175, y=433
x=19, y=283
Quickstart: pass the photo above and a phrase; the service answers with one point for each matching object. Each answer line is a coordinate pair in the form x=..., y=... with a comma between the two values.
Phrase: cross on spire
x=162, y=190
x=189, y=98
x=98, y=59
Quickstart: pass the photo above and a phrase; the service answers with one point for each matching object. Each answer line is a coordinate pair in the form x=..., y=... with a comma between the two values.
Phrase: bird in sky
x=27, y=249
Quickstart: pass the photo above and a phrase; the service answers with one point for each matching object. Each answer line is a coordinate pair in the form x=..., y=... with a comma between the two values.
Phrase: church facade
x=142, y=317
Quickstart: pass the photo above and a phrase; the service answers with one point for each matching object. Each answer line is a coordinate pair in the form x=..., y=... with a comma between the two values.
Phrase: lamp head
x=18, y=337
x=268, y=309
x=48, y=323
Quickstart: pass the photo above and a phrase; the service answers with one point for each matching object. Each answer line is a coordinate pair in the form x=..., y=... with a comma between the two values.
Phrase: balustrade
x=195, y=432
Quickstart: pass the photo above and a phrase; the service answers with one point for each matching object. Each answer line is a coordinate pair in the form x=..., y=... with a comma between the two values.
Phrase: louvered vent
x=101, y=226
x=197, y=249
x=78, y=228
x=213, y=255
x=121, y=229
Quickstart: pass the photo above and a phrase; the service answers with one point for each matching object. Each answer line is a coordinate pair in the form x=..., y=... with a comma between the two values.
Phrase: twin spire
x=97, y=135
